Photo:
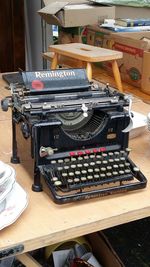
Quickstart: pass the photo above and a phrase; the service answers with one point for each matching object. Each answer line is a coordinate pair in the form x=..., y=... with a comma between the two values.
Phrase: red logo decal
x=37, y=85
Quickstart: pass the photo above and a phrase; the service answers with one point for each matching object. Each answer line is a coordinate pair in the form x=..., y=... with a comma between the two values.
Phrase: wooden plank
x=85, y=52
x=28, y=260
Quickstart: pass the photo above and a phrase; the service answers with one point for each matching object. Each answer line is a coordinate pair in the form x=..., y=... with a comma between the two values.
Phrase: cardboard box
x=72, y=35
x=135, y=64
x=75, y=13
x=103, y=251
x=132, y=12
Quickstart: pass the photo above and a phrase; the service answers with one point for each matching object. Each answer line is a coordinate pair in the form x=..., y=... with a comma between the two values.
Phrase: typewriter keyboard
x=90, y=175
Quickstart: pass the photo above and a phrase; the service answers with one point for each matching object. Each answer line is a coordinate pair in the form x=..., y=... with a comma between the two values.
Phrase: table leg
x=54, y=61
x=117, y=75
x=89, y=70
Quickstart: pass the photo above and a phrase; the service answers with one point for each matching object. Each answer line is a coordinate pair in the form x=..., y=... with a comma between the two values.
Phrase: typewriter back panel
x=100, y=129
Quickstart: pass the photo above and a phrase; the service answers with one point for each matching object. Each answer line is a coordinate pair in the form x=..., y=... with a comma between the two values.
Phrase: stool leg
x=54, y=61
x=89, y=70
x=117, y=75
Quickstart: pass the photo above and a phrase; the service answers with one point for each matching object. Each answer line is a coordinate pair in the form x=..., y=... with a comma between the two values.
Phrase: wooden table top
x=85, y=52
x=44, y=222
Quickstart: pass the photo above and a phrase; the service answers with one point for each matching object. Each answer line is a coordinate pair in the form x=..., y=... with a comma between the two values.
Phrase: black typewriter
x=77, y=134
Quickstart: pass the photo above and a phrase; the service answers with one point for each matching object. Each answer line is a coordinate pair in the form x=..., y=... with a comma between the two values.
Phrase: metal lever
x=46, y=151
x=85, y=110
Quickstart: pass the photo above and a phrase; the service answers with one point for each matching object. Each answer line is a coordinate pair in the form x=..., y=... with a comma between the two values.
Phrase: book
x=117, y=28
x=132, y=22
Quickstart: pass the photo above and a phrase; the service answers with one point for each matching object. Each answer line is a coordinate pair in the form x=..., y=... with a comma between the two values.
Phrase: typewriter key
x=86, y=165
x=127, y=171
x=86, y=157
x=96, y=176
x=57, y=183
x=92, y=156
x=105, y=162
x=71, y=174
x=127, y=164
x=109, y=168
x=53, y=161
x=79, y=165
x=115, y=166
x=98, y=156
x=90, y=170
x=116, y=153
x=83, y=179
x=73, y=166
x=64, y=174
x=115, y=173
x=70, y=181
x=111, y=161
x=76, y=180
x=96, y=170
x=121, y=166
x=60, y=168
x=73, y=159
x=109, y=174
x=102, y=175
x=80, y=158
x=136, y=169
x=117, y=160
x=103, y=169
x=54, y=179
x=60, y=161
x=122, y=158
x=121, y=172
x=92, y=163
x=110, y=154
x=66, y=167
x=84, y=172
x=66, y=160
x=90, y=177
x=98, y=162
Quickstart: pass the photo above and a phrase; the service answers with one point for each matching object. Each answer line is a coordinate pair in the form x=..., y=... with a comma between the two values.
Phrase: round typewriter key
x=73, y=159
x=117, y=160
x=84, y=172
x=60, y=161
x=77, y=172
x=102, y=175
x=60, y=168
x=122, y=158
x=136, y=169
x=66, y=167
x=98, y=162
x=96, y=170
x=57, y=183
x=121, y=166
x=103, y=169
x=115, y=166
x=127, y=171
x=54, y=179
x=76, y=180
x=110, y=154
x=96, y=176
x=86, y=157
x=109, y=168
x=127, y=164
x=115, y=173
x=80, y=158
x=53, y=161
x=122, y=152
x=66, y=160
x=83, y=179
x=111, y=161
x=92, y=163
x=79, y=165
x=90, y=170
x=64, y=174
x=109, y=174
x=71, y=174
x=104, y=155
x=104, y=162
x=70, y=181
x=89, y=177
x=86, y=165
x=121, y=172
x=98, y=156
x=73, y=166
x=92, y=156
x=116, y=153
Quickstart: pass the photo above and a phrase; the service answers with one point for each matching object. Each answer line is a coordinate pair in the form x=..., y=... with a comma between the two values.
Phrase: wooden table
x=44, y=222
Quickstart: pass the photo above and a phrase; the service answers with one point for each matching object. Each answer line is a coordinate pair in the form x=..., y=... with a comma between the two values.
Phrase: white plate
x=139, y=124
x=9, y=171
x=16, y=202
x=6, y=187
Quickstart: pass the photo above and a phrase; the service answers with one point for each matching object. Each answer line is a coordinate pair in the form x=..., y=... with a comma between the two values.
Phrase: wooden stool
x=87, y=54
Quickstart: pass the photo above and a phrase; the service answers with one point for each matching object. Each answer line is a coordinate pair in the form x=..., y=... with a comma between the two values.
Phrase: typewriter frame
x=32, y=126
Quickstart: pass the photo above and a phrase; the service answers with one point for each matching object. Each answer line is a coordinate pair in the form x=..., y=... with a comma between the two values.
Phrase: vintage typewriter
x=77, y=134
